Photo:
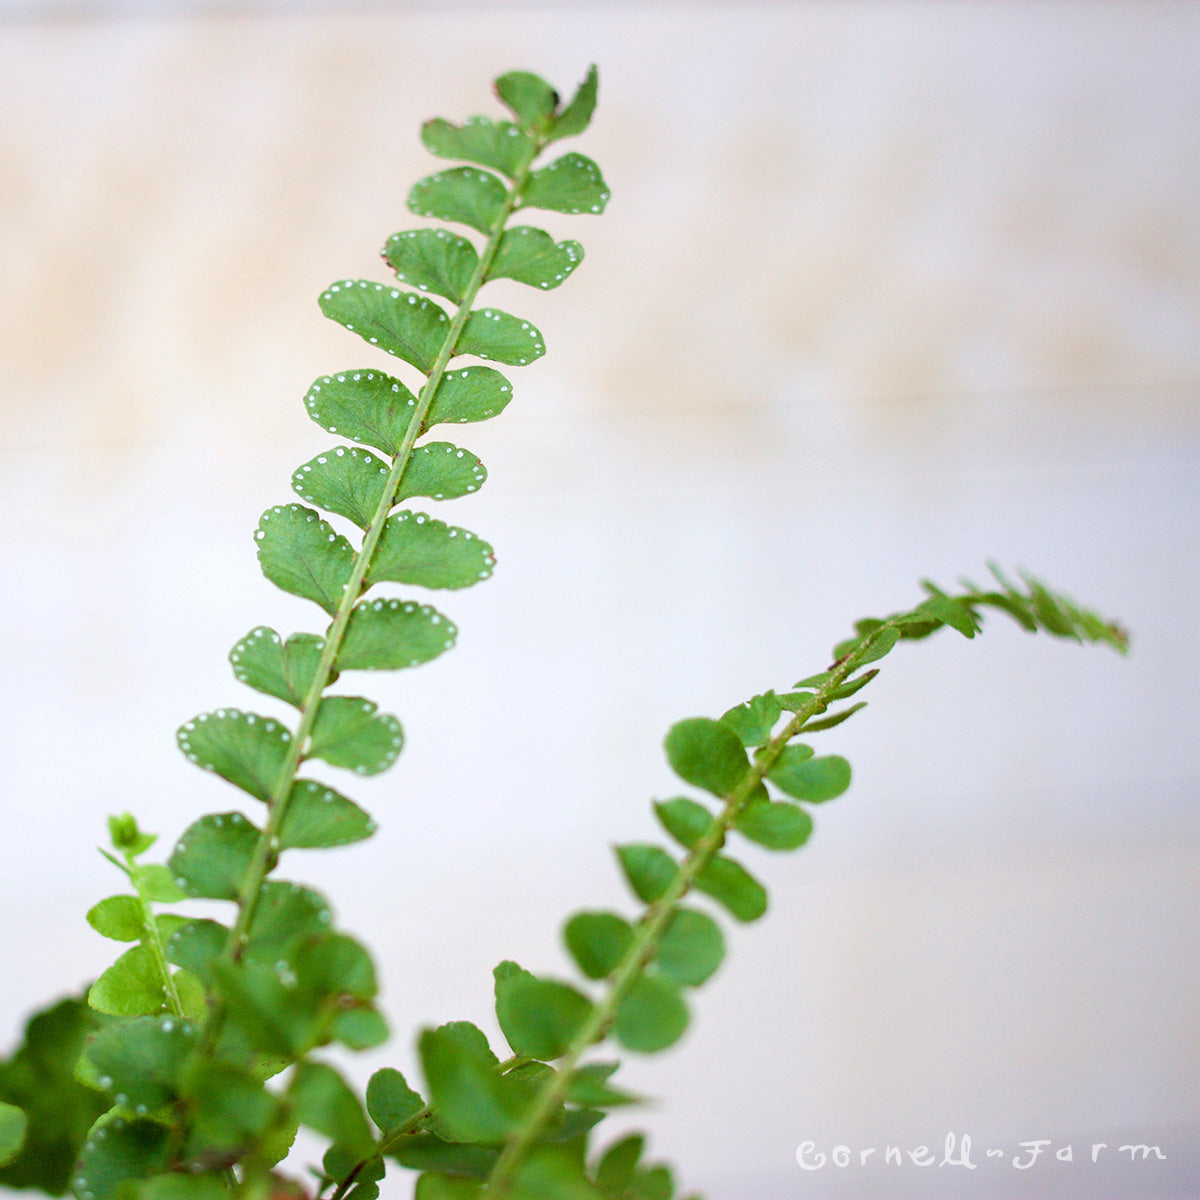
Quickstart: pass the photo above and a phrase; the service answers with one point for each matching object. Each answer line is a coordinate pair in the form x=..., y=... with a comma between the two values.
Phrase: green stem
x=153, y=940
x=650, y=928
x=266, y=851
x=268, y=844
x=392, y=1139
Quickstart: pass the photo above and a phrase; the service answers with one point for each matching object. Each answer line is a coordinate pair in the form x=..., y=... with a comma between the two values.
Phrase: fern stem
x=153, y=940
x=393, y=1138
x=657, y=915
x=267, y=848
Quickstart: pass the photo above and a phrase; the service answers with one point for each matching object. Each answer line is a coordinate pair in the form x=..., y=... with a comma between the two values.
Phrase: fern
x=199, y=1054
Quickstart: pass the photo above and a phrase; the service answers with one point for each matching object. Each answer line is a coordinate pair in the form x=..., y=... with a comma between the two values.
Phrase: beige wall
x=884, y=290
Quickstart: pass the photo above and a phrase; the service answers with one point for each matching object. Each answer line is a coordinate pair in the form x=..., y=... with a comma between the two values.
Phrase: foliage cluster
x=203, y=1048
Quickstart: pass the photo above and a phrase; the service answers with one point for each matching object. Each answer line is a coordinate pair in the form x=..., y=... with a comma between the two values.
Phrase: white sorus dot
x=167, y=1025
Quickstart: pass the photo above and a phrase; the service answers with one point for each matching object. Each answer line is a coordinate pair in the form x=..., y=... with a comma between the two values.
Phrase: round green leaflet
x=648, y=868
x=348, y=732
x=729, y=883
x=212, y=856
x=432, y=260
x=388, y=634
x=247, y=749
x=139, y=1061
x=571, y=184
x=366, y=406
x=651, y=1015
x=530, y=99
x=469, y=394
x=597, y=941
x=419, y=549
x=706, y=753
x=441, y=471
x=685, y=820
x=300, y=553
x=263, y=661
x=539, y=1017
x=116, y=1150
x=345, y=480
x=487, y=143
x=317, y=817
x=464, y=195
x=691, y=947
x=814, y=780
x=532, y=256
x=404, y=324
x=490, y=333
x=777, y=825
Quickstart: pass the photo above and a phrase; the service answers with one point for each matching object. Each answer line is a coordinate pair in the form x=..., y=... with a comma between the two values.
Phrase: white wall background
x=884, y=290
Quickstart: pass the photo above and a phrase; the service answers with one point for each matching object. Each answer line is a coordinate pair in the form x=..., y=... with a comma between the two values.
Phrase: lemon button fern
x=199, y=1052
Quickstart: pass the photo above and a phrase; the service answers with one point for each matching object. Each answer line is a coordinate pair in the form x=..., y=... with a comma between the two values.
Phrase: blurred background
x=884, y=290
